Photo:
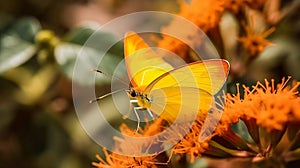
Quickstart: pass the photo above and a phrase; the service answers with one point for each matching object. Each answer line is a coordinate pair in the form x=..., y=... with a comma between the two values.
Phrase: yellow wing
x=174, y=93
x=179, y=104
x=208, y=75
x=183, y=92
x=142, y=63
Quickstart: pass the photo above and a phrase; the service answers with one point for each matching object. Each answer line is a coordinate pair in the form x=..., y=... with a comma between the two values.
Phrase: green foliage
x=75, y=49
x=22, y=39
x=38, y=125
x=17, y=41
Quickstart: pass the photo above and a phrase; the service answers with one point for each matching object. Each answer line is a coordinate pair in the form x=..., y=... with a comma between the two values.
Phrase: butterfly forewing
x=208, y=75
x=143, y=64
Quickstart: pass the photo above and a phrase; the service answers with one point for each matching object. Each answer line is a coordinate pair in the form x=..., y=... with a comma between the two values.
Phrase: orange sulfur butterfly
x=173, y=93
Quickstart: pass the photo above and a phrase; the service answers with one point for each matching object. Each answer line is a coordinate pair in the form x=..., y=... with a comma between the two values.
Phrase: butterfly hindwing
x=182, y=103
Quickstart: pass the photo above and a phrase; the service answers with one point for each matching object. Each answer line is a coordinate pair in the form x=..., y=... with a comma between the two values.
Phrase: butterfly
x=173, y=93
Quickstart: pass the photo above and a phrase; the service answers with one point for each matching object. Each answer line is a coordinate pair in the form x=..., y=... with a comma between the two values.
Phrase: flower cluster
x=207, y=15
x=114, y=160
x=270, y=113
x=272, y=107
x=253, y=42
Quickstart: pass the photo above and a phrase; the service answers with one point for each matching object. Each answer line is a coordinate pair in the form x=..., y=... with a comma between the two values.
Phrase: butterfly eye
x=133, y=93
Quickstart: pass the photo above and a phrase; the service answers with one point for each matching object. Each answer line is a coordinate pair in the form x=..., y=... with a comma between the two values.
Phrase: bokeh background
x=38, y=45
x=38, y=123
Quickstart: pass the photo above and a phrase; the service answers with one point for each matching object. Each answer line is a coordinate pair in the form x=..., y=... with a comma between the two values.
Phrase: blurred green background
x=38, y=45
x=39, y=41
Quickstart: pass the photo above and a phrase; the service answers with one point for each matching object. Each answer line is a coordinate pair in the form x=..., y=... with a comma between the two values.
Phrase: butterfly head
x=142, y=99
x=133, y=93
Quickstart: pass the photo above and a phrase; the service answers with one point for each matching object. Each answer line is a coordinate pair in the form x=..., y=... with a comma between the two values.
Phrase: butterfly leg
x=150, y=114
x=133, y=101
x=137, y=117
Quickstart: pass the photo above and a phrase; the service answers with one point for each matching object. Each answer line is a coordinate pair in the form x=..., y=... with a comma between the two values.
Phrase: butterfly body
x=142, y=99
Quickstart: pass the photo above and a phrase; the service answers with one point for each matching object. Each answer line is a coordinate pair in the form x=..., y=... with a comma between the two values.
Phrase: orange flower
x=232, y=111
x=271, y=107
x=254, y=42
x=270, y=113
x=190, y=145
x=205, y=14
x=140, y=146
x=114, y=160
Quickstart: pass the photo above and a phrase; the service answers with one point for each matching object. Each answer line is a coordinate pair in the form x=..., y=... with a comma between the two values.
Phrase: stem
x=232, y=152
x=253, y=130
x=236, y=140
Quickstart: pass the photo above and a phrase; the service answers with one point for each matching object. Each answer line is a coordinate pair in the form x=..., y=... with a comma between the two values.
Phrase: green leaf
x=91, y=49
x=67, y=54
x=14, y=52
x=241, y=129
x=79, y=35
x=27, y=28
x=98, y=40
x=199, y=163
x=16, y=42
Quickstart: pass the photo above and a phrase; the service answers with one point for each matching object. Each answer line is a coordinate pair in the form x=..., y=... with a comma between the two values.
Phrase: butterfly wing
x=208, y=75
x=183, y=92
x=142, y=63
x=181, y=103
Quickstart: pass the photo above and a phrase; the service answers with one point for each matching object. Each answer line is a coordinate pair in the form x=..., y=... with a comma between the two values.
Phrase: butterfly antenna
x=109, y=75
x=103, y=96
